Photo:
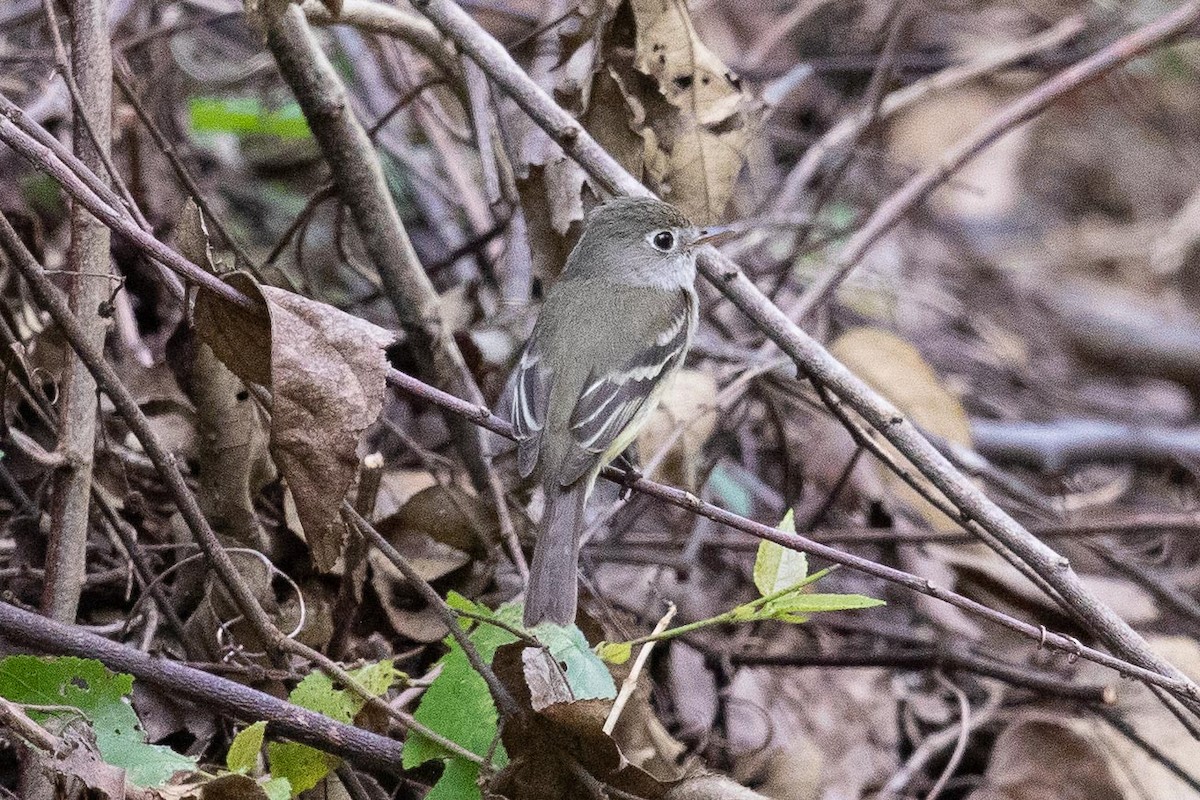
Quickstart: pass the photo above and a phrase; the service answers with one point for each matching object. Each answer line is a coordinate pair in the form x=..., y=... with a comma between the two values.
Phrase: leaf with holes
x=101, y=697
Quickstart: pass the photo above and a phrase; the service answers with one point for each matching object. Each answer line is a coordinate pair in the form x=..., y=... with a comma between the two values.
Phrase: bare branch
x=390, y=21
x=90, y=78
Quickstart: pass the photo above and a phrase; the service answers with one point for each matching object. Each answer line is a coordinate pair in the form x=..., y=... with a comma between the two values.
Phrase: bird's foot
x=630, y=474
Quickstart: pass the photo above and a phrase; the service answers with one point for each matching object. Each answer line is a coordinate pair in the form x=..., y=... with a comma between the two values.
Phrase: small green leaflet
x=101, y=697
x=614, y=652
x=777, y=567
x=242, y=757
x=780, y=575
x=794, y=606
x=303, y=767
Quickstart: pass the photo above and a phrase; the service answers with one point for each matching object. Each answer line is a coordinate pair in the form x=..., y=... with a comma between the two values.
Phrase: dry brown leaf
x=897, y=370
x=546, y=221
x=695, y=143
x=231, y=430
x=614, y=117
x=654, y=96
x=549, y=182
x=326, y=373
x=547, y=747
x=208, y=625
x=1044, y=758
x=431, y=558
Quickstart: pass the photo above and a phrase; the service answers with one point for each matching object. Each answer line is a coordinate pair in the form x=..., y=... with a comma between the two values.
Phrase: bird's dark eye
x=664, y=240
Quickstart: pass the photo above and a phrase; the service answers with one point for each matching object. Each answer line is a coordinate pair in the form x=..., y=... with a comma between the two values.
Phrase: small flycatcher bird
x=612, y=330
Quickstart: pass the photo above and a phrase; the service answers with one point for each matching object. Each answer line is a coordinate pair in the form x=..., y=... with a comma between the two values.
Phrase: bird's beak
x=714, y=234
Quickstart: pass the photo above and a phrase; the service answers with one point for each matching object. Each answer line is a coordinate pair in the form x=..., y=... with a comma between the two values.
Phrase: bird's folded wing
x=530, y=397
x=610, y=401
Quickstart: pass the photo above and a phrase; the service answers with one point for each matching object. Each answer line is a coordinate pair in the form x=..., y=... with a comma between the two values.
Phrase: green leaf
x=317, y=693
x=801, y=603
x=246, y=116
x=243, y=750
x=459, y=781
x=776, y=567
x=302, y=766
x=277, y=789
x=587, y=676
x=458, y=706
x=614, y=652
x=101, y=697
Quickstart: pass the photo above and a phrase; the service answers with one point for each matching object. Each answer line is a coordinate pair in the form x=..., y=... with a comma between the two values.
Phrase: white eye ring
x=663, y=241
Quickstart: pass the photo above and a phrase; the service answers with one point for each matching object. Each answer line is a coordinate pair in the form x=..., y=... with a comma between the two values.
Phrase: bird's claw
x=630, y=475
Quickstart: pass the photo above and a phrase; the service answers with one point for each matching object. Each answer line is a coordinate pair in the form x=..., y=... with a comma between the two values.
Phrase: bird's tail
x=553, y=583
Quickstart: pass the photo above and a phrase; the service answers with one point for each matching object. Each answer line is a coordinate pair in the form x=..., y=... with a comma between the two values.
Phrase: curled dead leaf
x=550, y=748
x=695, y=143
x=325, y=370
